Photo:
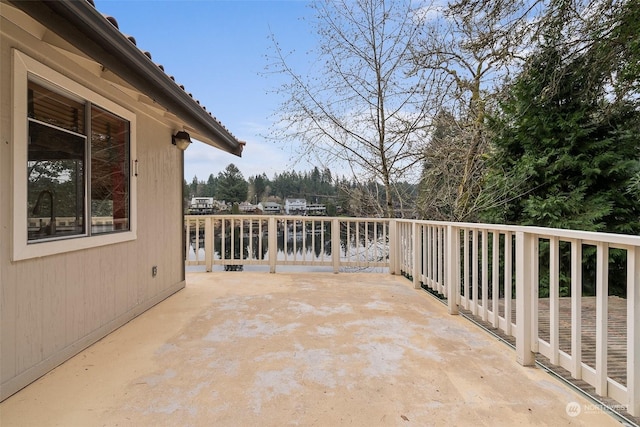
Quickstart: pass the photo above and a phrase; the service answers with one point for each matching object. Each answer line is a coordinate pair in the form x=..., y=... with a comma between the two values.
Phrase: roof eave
x=79, y=22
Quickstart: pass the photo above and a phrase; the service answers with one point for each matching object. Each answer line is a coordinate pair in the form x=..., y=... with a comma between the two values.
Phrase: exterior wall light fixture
x=181, y=140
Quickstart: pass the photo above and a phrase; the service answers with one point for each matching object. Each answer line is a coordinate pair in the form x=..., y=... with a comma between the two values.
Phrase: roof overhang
x=81, y=24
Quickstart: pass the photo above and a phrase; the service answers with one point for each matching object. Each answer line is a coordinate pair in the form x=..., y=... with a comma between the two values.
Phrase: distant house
x=271, y=208
x=201, y=206
x=206, y=206
x=247, y=208
x=295, y=206
x=92, y=134
x=316, y=209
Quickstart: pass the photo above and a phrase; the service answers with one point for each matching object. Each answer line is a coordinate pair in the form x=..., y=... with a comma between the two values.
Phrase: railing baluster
x=495, y=274
x=508, y=279
x=294, y=231
x=485, y=274
x=427, y=256
x=453, y=281
x=602, y=273
x=234, y=238
x=576, y=309
x=272, y=240
x=208, y=244
x=633, y=331
x=197, y=241
x=335, y=244
x=441, y=260
x=187, y=240
x=223, y=238
x=313, y=239
x=415, y=271
x=393, y=247
x=424, y=262
x=465, y=268
x=436, y=258
x=322, y=242
x=285, y=233
x=359, y=250
x=240, y=239
x=554, y=299
x=474, y=270
x=535, y=292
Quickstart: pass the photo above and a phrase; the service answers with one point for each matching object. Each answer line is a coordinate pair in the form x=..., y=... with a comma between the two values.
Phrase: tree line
x=339, y=194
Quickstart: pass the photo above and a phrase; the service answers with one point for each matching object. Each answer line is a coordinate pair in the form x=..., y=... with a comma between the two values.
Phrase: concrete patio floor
x=310, y=349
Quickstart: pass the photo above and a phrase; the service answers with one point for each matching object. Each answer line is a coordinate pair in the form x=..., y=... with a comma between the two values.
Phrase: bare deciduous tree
x=361, y=106
x=471, y=46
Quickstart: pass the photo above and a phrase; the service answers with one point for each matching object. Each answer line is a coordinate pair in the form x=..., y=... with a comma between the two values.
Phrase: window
x=57, y=174
x=72, y=164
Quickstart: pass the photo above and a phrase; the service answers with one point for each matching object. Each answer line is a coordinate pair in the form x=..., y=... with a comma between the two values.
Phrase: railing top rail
x=590, y=236
x=288, y=217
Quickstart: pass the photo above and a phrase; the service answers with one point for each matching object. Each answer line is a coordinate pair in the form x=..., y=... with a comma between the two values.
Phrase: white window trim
x=23, y=66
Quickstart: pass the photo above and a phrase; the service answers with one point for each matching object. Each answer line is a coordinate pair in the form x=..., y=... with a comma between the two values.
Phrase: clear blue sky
x=217, y=50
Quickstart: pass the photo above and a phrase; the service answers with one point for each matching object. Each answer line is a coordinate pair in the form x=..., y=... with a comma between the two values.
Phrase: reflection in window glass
x=55, y=182
x=109, y=172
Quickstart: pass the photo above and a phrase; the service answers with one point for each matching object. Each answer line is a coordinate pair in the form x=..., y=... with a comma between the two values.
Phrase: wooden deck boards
x=616, y=339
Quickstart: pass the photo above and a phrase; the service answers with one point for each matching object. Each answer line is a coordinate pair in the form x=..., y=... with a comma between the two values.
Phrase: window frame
x=25, y=67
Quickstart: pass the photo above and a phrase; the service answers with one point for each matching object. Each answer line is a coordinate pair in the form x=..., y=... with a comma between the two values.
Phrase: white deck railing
x=240, y=240
x=493, y=271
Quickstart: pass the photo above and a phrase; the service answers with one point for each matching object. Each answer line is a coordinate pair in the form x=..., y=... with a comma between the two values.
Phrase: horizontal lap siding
x=52, y=307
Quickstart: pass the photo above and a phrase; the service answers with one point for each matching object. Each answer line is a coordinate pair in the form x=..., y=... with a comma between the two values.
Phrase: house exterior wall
x=53, y=306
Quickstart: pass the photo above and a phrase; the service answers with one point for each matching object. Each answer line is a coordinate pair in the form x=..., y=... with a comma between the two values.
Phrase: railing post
x=393, y=246
x=272, y=237
x=524, y=272
x=633, y=331
x=453, y=283
x=335, y=244
x=208, y=244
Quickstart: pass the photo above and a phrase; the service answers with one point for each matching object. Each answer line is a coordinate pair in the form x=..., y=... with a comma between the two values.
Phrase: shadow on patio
x=246, y=348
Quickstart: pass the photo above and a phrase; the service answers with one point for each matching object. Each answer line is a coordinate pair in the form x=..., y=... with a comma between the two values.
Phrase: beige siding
x=53, y=306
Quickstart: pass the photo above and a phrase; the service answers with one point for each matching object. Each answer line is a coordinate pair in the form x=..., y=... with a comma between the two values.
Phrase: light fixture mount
x=181, y=140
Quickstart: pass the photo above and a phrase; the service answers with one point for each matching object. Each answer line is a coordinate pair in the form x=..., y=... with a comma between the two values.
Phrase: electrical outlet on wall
x=154, y=271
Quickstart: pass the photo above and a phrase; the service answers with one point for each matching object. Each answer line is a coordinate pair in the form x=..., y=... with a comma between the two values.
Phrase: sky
x=218, y=50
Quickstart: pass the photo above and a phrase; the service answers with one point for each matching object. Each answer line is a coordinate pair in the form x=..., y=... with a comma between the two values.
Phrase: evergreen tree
x=193, y=188
x=185, y=194
x=260, y=183
x=579, y=148
x=571, y=126
x=232, y=187
x=210, y=187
